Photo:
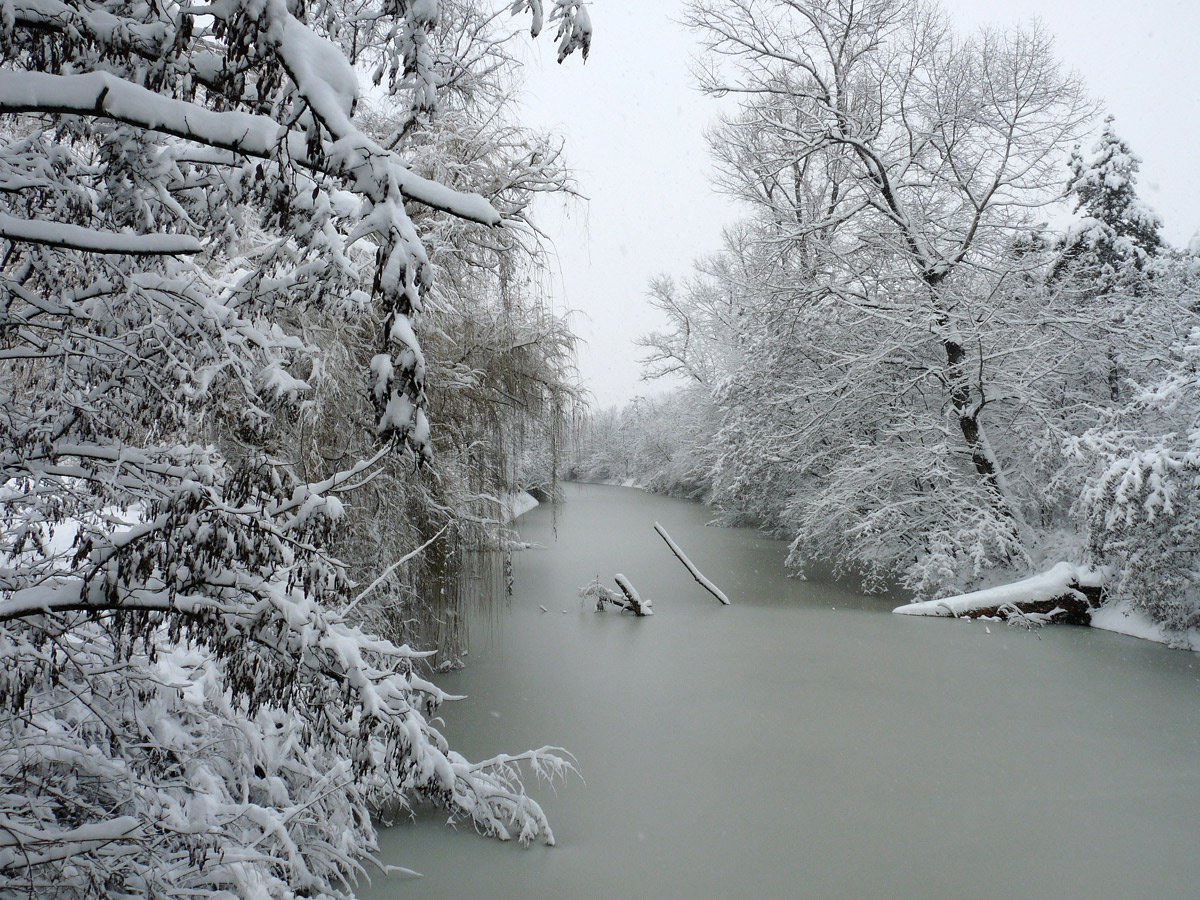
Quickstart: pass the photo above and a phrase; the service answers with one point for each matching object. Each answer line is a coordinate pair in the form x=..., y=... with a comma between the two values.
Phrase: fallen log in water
x=631, y=595
x=690, y=566
x=1065, y=593
x=628, y=599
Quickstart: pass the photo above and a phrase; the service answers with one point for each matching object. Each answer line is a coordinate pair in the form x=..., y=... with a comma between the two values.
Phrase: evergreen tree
x=1118, y=234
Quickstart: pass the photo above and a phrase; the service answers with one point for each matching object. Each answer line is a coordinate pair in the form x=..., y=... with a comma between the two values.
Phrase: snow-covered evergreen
x=1116, y=235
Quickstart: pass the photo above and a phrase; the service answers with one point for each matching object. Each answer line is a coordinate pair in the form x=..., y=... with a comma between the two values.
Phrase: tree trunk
x=968, y=417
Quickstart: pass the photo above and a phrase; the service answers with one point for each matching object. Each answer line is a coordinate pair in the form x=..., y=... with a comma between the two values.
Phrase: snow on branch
x=52, y=15
x=261, y=137
x=36, y=846
x=691, y=567
x=574, y=28
x=88, y=240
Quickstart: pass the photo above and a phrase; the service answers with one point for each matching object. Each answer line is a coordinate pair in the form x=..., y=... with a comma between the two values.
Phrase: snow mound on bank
x=1124, y=619
x=515, y=505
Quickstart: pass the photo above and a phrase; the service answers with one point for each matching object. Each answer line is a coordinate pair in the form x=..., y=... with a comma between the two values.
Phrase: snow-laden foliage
x=189, y=709
x=1117, y=235
x=1112, y=256
x=217, y=747
x=573, y=21
x=1142, y=503
x=501, y=360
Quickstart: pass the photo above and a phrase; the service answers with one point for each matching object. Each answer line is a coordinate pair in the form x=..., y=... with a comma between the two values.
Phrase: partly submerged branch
x=691, y=567
x=628, y=599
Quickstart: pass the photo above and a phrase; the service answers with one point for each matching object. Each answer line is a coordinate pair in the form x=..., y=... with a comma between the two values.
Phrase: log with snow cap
x=1065, y=593
x=691, y=567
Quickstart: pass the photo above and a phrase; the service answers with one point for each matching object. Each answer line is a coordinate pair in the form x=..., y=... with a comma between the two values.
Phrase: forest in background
x=895, y=363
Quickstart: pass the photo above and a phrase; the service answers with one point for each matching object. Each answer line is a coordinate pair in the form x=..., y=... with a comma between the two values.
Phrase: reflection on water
x=803, y=743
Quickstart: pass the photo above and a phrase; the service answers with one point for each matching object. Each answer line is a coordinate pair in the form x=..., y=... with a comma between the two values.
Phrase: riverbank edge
x=516, y=504
x=1118, y=618
x=1064, y=587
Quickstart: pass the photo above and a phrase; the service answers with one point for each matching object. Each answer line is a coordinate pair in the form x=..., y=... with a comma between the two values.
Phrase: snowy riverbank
x=513, y=506
x=618, y=482
x=1123, y=619
x=1052, y=592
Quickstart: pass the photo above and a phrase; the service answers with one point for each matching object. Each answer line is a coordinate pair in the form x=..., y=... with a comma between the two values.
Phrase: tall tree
x=1117, y=235
x=1113, y=251
x=891, y=168
x=925, y=147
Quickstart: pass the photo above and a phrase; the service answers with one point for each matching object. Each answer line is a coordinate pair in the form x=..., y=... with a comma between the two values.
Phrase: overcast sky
x=634, y=130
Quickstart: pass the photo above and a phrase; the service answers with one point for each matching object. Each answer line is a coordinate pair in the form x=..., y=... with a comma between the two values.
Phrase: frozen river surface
x=803, y=742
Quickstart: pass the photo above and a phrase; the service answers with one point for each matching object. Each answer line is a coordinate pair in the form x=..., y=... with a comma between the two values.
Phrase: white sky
x=634, y=129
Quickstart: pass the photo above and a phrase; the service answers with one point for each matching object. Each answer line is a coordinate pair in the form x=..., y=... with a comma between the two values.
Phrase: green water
x=804, y=742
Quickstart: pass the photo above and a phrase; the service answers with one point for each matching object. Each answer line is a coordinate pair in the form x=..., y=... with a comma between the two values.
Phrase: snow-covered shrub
x=889, y=515
x=1142, y=504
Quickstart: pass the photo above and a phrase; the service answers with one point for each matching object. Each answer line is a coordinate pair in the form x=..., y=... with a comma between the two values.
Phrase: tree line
x=895, y=363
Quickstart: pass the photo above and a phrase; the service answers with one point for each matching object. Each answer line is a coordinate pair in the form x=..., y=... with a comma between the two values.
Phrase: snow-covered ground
x=1123, y=619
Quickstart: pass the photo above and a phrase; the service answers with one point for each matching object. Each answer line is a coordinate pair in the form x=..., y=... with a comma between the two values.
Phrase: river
x=803, y=742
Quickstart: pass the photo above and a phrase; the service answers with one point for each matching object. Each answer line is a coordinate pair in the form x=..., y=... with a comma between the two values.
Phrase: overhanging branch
x=88, y=240
x=99, y=94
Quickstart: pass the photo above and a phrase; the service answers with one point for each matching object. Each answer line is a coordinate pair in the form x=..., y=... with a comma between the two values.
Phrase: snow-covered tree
x=1117, y=235
x=904, y=140
x=889, y=166
x=704, y=313
x=189, y=709
x=1111, y=255
x=1141, y=504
